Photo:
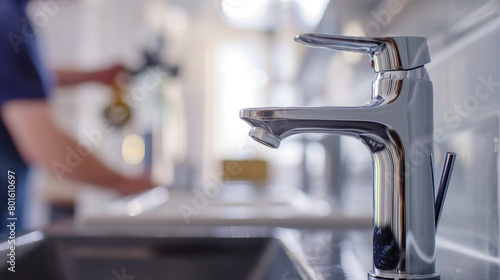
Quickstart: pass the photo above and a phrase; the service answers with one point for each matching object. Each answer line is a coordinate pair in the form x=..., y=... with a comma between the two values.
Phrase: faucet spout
x=271, y=125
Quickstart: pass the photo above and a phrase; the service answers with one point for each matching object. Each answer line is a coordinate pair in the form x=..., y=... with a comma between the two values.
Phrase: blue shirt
x=22, y=76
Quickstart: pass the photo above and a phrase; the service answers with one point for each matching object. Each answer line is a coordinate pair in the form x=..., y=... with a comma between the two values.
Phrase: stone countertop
x=346, y=254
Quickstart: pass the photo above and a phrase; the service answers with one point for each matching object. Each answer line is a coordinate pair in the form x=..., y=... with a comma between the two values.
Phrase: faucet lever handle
x=449, y=162
x=387, y=53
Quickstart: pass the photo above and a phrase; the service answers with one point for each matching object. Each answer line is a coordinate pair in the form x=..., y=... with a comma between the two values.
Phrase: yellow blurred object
x=248, y=170
x=133, y=149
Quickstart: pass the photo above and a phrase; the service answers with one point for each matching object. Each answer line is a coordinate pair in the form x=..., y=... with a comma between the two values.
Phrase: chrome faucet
x=397, y=127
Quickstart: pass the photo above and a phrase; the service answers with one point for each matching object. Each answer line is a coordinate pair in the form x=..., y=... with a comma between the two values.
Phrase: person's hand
x=134, y=185
x=108, y=76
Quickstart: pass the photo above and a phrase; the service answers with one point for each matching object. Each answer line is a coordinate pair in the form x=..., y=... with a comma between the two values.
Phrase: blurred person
x=28, y=134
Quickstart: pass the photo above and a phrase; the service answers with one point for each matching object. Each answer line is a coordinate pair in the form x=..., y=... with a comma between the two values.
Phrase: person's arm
x=41, y=142
x=70, y=77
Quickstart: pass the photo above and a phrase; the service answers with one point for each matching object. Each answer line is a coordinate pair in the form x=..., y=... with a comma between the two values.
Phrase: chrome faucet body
x=397, y=127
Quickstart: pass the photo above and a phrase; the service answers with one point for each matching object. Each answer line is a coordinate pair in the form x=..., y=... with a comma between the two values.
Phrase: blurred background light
x=239, y=9
x=311, y=11
x=133, y=149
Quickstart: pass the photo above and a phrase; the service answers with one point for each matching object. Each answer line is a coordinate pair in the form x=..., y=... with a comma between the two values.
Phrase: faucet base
x=372, y=276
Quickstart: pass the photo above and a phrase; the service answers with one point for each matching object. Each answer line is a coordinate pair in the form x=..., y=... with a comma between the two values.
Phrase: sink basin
x=127, y=258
